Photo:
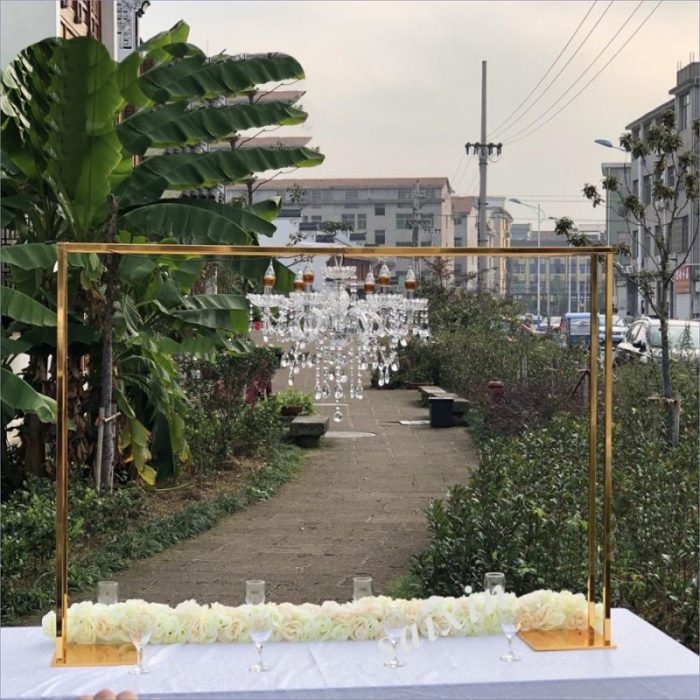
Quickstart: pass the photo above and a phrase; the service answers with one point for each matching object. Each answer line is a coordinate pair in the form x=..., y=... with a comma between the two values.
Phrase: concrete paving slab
x=357, y=506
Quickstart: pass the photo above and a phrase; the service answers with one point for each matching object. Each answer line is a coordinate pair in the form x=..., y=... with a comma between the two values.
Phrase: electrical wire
x=563, y=68
x=590, y=65
x=547, y=72
x=612, y=58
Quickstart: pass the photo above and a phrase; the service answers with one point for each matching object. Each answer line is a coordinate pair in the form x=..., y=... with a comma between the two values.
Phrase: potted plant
x=292, y=402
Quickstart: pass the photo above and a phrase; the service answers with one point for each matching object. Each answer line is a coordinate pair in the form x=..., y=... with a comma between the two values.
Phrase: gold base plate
x=98, y=655
x=563, y=640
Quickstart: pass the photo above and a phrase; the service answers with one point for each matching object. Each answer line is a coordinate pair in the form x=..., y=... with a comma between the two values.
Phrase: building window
x=684, y=233
x=656, y=236
x=404, y=221
x=635, y=188
x=405, y=195
x=646, y=189
x=351, y=196
x=379, y=210
x=380, y=236
x=459, y=220
x=635, y=134
x=315, y=196
x=670, y=177
x=348, y=220
x=317, y=219
x=684, y=112
x=362, y=222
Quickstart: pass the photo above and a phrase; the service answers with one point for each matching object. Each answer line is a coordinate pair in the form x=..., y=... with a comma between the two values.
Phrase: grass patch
x=33, y=591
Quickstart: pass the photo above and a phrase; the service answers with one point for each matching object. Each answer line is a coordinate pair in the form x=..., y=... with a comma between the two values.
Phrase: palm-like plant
x=75, y=169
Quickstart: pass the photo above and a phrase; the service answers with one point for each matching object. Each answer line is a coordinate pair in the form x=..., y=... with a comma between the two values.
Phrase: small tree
x=673, y=190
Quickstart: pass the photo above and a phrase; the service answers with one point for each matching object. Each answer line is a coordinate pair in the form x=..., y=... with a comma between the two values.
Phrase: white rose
x=320, y=627
x=295, y=623
x=167, y=628
x=232, y=624
x=105, y=630
x=48, y=624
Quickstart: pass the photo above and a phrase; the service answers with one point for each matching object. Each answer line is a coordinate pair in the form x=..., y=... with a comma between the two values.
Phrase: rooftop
x=357, y=182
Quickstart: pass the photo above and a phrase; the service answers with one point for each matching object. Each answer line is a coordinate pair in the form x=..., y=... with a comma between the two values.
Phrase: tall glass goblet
x=361, y=587
x=255, y=592
x=260, y=630
x=494, y=582
x=510, y=626
x=395, y=623
x=139, y=626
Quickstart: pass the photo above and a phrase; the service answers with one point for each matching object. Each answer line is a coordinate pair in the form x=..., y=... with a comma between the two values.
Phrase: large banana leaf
x=182, y=171
x=65, y=101
x=155, y=52
x=253, y=219
x=186, y=223
x=219, y=76
x=226, y=311
x=175, y=125
x=16, y=395
x=21, y=307
x=29, y=256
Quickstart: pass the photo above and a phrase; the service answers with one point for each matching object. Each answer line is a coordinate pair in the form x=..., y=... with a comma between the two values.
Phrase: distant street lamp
x=539, y=240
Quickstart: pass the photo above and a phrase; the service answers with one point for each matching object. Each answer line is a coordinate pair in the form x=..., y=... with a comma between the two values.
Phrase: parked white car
x=643, y=340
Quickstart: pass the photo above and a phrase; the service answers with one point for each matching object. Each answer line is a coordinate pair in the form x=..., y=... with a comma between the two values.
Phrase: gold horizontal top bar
x=350, y=252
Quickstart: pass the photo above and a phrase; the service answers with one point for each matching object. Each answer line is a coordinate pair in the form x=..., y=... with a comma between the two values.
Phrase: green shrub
x=525, y=513
x=292, y=398
x=108, y=532
x=226, y=420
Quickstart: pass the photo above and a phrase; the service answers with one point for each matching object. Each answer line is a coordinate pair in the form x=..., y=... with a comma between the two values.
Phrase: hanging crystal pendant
x=338, y=415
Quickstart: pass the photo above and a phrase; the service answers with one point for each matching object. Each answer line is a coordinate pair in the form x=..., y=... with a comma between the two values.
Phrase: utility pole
x=416, y=223
x=484, y=150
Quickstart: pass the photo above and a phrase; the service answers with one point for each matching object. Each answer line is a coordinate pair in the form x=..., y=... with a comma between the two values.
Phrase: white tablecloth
x=646, y=664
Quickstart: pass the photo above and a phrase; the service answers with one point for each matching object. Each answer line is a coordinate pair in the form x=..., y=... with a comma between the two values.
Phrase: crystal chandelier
x=338, y=334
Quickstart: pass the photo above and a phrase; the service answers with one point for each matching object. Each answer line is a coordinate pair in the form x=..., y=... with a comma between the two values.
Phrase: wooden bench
x=306, y=431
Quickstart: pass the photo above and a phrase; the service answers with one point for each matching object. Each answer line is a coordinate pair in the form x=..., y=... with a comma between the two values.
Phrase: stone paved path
x=356, y=506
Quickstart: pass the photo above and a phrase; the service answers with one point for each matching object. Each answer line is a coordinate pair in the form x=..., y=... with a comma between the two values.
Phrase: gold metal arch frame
x=91, y=655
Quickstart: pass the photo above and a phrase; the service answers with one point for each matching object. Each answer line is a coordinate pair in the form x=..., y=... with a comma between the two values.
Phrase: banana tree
x=74, y=168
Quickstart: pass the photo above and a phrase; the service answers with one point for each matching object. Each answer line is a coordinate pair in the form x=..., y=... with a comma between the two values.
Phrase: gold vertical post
x=62, y=455
x=592, y=446
x=607, y=485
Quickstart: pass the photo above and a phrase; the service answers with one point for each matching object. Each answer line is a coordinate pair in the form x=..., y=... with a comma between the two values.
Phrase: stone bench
x=306, y=431
x=427, y=392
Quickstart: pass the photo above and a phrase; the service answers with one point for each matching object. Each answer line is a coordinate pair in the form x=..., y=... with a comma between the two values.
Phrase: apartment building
x=685, y=297
x=377, y=211
x=113, y=22
x=551, y=286
x=464, y=216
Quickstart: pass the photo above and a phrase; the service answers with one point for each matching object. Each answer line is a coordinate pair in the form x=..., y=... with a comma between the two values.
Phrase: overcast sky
x=394, y=88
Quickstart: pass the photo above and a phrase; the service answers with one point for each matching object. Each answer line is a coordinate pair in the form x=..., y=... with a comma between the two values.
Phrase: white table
x=646, y=664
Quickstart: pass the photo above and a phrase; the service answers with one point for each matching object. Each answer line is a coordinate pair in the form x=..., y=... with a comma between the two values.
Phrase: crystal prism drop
x=338, y=392
x=318, y=392
x=359, y=392
x=338, y=415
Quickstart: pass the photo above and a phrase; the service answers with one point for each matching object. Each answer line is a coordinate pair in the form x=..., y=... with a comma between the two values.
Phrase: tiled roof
x=356, y=182
x=462, y=205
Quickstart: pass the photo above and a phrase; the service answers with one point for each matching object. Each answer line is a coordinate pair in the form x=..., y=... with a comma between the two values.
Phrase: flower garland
x=189, y=622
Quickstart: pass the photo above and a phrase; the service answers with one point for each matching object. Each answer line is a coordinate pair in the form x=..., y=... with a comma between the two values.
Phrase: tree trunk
x=666, y=366
x=34, y=432
x=107, y=368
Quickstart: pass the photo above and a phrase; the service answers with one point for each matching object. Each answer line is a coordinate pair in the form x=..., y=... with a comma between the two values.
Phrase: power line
x=612, y=58
x=571, y=58
x=571, y=38
x=590, y=65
